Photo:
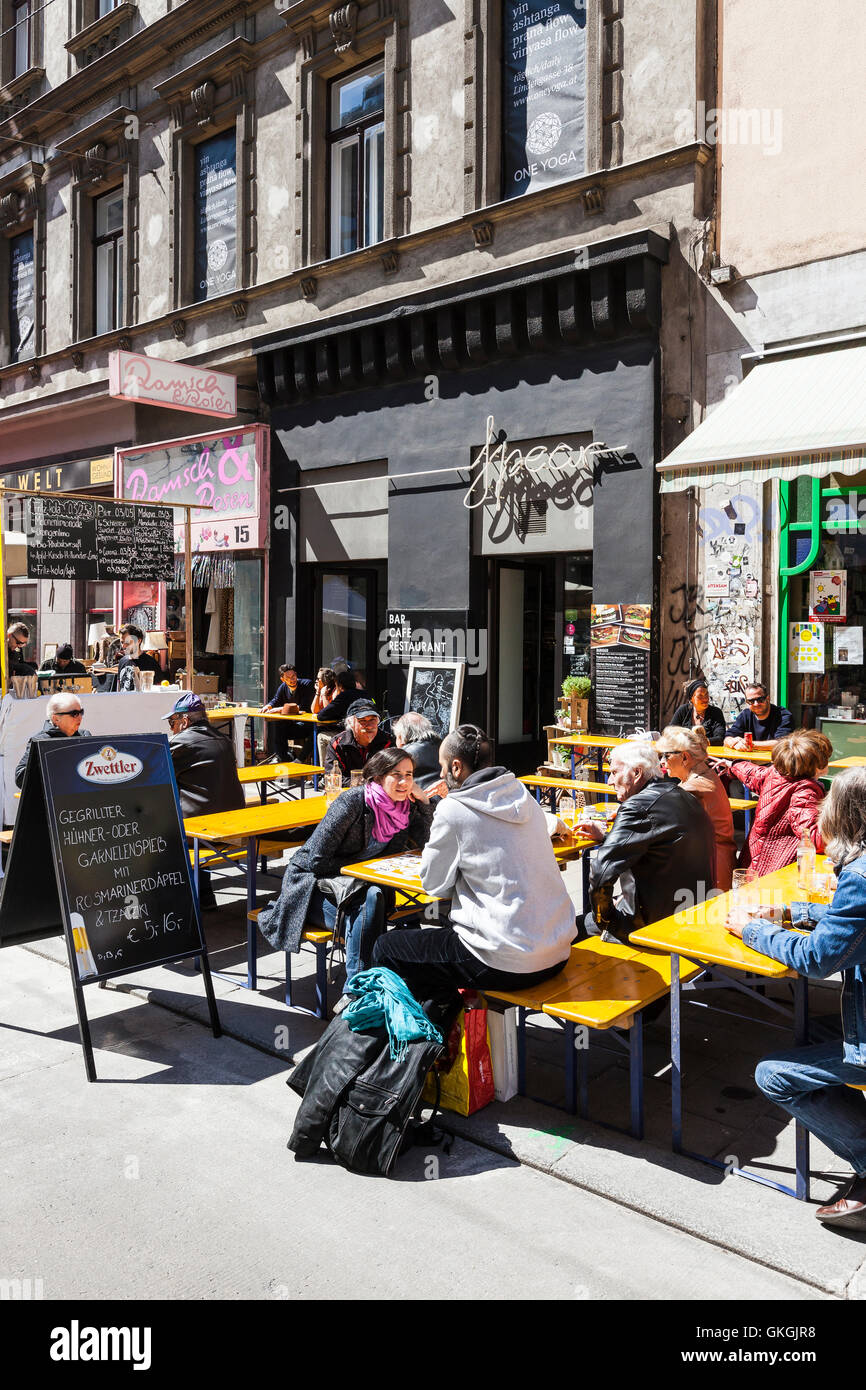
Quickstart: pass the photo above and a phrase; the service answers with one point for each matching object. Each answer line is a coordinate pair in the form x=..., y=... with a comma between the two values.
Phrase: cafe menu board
x=98, y=854
x=216, y=215
x=544, y=92
x=620, y=654
x=78, y=538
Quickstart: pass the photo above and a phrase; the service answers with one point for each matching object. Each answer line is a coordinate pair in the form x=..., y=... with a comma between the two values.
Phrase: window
x=215, y=215
x=21, y=25
x=105, y=7
x=22, y=298
x=357, y=160
x=108, y=261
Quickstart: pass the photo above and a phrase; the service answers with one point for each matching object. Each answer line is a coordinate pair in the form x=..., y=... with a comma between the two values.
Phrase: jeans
x=434, y=963
x=362, y=927
x=810, y=1083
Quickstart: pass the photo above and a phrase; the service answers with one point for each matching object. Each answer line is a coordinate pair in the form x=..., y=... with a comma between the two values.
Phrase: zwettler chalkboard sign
x=543, y=92
x=78, y=538
x=121, y=889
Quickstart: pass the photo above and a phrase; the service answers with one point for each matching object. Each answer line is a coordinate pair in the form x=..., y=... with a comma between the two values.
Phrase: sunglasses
x=756, y=699
x=71, y=713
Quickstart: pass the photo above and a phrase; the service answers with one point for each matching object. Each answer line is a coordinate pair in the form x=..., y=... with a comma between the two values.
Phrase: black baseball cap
x=360, y=709
x=64, y=651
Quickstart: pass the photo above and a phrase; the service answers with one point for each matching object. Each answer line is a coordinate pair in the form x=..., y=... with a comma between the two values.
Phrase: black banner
x=22, y=297
x=216, y=216
x=76, y=538
x=543, y=93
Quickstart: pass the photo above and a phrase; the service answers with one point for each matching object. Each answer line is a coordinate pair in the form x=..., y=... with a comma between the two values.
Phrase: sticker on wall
x=848, y=646
x=717, y=584
x=828, y=596
x=806, y=647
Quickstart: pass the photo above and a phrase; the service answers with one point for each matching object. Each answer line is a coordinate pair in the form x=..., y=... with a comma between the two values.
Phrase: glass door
x=248, y=670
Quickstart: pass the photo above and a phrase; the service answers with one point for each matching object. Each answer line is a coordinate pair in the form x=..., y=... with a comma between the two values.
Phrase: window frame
x=354, y=132
x=109, y=238
x=18, y=5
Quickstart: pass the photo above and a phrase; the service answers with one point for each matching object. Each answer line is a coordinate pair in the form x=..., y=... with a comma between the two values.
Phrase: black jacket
x=72, y=668
x=302, y=696
x=714, y=721
x=339, y=706
x=48, y=730
x=424, y=753
x=345, y=836
x=664, y=836
x=206, y=771
x=17, y=666
x=347, y=754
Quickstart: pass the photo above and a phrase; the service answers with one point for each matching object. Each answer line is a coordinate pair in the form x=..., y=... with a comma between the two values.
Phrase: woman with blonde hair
x=789, y=800
x=817, y=1084
x=683, y=755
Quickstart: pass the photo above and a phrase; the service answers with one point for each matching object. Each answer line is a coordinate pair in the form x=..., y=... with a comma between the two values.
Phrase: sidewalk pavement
x=725, y=1115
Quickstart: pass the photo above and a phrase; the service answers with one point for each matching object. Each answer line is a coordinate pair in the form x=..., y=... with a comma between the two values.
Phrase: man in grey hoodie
x=511, y=922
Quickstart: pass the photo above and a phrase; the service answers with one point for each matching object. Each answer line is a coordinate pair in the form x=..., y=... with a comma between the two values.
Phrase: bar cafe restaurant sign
x=225, y=471
x=133, y=376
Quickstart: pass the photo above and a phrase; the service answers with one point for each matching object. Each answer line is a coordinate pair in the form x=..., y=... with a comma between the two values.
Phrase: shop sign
x=544, y=92
x=61, y=477
x=499, y=469
x=224, y=471
x=133, y=376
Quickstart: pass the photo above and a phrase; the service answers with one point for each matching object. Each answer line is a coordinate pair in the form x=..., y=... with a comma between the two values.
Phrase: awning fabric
x=805, y=414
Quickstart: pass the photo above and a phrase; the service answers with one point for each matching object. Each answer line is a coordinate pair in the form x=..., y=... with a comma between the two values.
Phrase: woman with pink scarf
x=387, y=815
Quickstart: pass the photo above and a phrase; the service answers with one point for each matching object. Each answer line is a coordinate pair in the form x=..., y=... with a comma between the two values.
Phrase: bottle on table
x=805, y=863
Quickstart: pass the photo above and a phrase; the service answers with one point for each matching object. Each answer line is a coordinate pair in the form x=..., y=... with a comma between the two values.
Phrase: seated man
x=416, y=734
x=659, y=854
x=290, y=691
x=766, y=723
x=511, y=921
x=131, y=638
x=63, y=662
x=361, y=738
x=17, y=639
x=64, y=713
x=205, y=770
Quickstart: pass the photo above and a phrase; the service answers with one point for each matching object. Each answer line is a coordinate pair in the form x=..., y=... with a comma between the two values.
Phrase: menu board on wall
x=22, y=297
x=216, y=215
x=620, y=653
x=543, y=92
x=77, y=538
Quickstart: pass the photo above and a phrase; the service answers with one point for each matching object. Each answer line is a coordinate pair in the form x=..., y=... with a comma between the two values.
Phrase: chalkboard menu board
x=78, y=538
x=108, y=814
x=544, y=92
x=620, y=653
x=22, y=297
x=216, y=215
x=436, y=690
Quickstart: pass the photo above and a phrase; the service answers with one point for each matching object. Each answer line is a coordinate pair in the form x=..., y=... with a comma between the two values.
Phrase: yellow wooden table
x=849, y=762
x=252, y=712
x=700, y=934
x=263, y=773
x=247, y=827
x=763, y=756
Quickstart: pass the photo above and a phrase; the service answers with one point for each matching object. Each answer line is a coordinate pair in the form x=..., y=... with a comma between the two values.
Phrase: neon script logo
x=110, y=766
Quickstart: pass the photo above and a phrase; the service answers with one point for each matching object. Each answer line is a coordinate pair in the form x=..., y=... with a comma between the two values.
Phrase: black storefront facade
x=379, y=425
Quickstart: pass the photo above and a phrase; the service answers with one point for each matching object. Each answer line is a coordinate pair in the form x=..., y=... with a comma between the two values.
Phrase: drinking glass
x=356, y=777
x=333, y=785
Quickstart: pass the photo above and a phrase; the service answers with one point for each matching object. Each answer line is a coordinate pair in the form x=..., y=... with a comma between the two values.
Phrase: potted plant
x=576, y=690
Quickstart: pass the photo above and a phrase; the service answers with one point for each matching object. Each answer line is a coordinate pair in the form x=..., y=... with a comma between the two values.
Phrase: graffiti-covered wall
x=730, y=564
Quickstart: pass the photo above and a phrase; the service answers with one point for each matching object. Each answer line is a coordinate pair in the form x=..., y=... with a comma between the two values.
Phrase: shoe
x=849, y=1208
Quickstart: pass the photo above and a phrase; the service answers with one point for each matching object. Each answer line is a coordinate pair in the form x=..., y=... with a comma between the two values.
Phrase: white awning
x=804, y=414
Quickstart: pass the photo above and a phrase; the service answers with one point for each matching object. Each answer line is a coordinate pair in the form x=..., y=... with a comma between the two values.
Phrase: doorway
x=522, y=699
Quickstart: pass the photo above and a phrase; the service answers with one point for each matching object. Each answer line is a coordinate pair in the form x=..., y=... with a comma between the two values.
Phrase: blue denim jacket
x=838, y=942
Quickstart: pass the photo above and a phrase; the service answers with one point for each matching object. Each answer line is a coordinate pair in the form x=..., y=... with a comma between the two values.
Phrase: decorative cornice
x=203, y=99
x=77, y=360
x=593, y=199
x=390, y=262
x=343, y=22
x=239, y=308
x=309, y=287
x=106, y=131
x=178, y=328
x=482, y=234
x=101, y=29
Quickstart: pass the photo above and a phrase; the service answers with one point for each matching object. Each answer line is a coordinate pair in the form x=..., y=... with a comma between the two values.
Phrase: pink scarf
x=389, y=817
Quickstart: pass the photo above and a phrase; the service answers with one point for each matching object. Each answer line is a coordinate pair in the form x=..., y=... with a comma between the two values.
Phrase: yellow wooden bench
x=6, y=837
x=605, y=986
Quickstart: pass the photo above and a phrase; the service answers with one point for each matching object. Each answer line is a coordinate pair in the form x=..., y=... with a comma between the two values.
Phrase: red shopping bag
x=468, y=1085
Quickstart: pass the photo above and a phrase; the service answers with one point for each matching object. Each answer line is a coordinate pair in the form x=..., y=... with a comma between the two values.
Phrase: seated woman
x=789, y=800
x=697, y=712
x=812, y=1083
x=387, y=815
x=511, y=921
x=682, y=753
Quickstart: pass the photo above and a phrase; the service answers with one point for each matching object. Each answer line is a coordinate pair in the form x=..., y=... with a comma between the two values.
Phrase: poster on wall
x=620, y=636
x=544, y=92
x=22, y=297
x=216, y=215
x=848, y=646
x=828, y=596
x=806, y=647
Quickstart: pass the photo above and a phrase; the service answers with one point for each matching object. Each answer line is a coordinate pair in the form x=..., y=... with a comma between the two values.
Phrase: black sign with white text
x=215, y=216
x=543, y=92
x=78, y=538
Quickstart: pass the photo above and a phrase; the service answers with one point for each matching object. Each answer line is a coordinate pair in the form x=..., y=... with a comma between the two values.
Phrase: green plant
x=579, y=686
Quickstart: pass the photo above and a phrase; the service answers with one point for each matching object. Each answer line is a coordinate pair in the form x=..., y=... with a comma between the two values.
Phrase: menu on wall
x=620, y=653
x=22, y=297
x=543, y=92
x=79, y=538
x=216, y=215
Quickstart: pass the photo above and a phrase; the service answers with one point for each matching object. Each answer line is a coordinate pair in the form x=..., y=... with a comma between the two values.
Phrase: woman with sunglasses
x=65, y=713
x=683, y=755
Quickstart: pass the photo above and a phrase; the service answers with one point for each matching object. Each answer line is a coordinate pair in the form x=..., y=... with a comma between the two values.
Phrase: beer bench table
x=247, y=827
x=699, y=933
x=252, y=712
x=264, y=773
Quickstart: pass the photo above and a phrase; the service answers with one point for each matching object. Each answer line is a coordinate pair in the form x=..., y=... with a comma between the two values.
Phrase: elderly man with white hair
x=65, y=712
x=415, y=733
x=657, y=859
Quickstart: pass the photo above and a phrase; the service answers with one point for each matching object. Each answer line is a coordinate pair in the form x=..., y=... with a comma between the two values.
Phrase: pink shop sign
x=133, y=376
x=225, y=471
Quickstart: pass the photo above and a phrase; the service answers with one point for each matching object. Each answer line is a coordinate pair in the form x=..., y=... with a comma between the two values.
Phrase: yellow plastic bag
x=468, y=1086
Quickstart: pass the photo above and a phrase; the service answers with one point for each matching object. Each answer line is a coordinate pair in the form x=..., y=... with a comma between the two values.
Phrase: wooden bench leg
x=521, y=1052
x=635, y=1065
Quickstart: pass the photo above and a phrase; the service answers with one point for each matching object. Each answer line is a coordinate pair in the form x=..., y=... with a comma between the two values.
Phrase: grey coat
x=345, y=836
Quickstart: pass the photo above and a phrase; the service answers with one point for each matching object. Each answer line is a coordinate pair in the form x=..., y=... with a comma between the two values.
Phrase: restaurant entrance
x=522, y=693
x=349, y=608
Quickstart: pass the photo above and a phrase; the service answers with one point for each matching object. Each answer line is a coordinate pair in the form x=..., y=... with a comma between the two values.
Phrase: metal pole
x=187, y=560
x=4, y=651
